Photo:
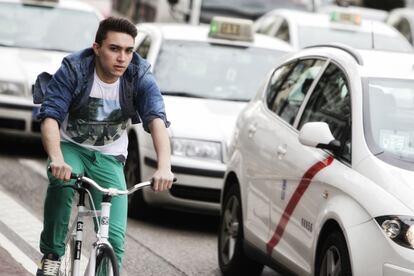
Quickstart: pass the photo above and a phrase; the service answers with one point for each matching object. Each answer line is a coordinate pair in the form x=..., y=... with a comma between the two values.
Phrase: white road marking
x=21, y=221
x=35, y=166
x=17, y=254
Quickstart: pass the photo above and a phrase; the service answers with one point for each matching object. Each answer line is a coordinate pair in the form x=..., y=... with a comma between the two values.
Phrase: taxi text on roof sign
x=348, y=18
x=231, y=28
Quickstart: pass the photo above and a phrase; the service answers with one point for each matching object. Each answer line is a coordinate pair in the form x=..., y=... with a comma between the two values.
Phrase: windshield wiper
x=182, y=94
x=8, y=45
x=231, y=99
x=54, y=49
x=33, y=48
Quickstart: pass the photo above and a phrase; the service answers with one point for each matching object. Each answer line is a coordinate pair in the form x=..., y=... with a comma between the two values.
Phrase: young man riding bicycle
x=87, y=105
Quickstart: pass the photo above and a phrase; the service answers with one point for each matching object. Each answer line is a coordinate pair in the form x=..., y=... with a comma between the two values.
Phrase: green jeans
x=107, y=172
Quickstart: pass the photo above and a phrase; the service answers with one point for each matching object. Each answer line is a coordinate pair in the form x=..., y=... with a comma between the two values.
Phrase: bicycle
x=102, y=259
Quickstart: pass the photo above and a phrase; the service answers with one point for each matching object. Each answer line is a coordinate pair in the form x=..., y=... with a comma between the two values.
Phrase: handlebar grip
x=174, y=180
x=72, y=175
x=75, y=175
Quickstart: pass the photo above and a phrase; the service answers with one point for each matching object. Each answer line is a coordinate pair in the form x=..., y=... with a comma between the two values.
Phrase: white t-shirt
x=99, y=125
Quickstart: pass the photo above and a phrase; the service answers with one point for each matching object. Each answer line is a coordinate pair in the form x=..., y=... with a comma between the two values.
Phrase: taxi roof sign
x=348, y=18
x=231, y=28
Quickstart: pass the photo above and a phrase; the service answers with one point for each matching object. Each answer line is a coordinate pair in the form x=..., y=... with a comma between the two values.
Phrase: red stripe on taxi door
x=293, y=202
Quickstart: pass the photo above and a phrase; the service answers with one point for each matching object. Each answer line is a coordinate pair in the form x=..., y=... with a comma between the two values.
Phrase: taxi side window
x=330, y=102
x=404, y=27
x=266, y=25
x=289, y=85
x=144, y=47
x=283, y=31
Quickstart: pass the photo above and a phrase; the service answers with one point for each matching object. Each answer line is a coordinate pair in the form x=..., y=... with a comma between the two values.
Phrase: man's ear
x=95, y=47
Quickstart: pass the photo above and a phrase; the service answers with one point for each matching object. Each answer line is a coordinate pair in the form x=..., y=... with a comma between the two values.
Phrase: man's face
x=113, y=55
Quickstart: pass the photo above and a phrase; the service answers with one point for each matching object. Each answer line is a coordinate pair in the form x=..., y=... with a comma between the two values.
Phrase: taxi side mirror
x=318, y=135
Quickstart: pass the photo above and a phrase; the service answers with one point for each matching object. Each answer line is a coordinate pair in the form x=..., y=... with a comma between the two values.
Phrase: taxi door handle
x=281, y=151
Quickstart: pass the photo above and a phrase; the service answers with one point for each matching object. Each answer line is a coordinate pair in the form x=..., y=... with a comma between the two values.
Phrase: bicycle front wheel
x=106, y=263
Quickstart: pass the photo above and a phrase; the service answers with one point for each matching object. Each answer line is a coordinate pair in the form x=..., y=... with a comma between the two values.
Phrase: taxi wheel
x=232, y=259
x=136, y=202
x=333, y=257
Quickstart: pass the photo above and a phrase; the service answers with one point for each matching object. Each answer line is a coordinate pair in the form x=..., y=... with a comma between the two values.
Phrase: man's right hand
x=60, y=170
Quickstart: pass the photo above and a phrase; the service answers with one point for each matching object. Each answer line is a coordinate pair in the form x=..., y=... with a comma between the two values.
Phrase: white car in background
x=34, y=37
x=321, y=168
x=103, y=6
x=207, y=74
x=302, y=29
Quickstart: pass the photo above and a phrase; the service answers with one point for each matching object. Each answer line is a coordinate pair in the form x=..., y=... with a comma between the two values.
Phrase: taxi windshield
x=47, y=28
x=389, y=118
x=214, y=71
x=357, y=39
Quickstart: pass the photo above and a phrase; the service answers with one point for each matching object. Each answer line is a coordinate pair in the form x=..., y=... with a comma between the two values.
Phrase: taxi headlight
x=196, y=149
x=400, y=229
x=11, y=88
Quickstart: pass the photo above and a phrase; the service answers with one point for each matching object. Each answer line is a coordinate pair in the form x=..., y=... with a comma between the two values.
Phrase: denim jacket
x=69, y=88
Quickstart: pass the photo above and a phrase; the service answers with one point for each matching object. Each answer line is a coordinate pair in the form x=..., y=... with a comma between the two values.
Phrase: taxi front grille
x=195, y=193
x=12, y=124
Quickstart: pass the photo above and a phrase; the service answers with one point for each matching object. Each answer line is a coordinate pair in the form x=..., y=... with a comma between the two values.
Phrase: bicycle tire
x=66, y=265
x=106, y=261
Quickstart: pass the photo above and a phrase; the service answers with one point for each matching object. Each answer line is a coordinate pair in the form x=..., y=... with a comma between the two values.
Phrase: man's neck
x=104, y=77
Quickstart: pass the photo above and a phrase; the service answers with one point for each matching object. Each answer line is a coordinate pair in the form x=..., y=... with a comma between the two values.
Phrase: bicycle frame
x=76, y=229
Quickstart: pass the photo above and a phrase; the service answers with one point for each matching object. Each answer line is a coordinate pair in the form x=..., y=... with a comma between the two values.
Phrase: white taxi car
x=363, y=12
x=302, y=29
x=321, y=168
x=34, y=37
x=206, y=75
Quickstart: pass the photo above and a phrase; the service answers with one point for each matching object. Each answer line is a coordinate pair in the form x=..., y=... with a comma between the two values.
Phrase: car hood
x=23, y=65
x=204, y=119
x=394, y=180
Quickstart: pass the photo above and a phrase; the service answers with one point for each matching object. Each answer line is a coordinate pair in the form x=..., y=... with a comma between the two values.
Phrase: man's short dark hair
x=115, y=24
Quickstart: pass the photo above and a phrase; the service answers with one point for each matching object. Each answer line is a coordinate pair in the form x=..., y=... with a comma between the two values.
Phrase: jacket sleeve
x=150, y=101
x=59, y=93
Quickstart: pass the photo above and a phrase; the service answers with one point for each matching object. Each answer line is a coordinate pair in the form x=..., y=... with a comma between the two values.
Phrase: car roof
x=65, y=4
x=200, y=33
x=369, y=63
x=365, y=13
x=397, y=14
x=302, y=18
x=387, y=64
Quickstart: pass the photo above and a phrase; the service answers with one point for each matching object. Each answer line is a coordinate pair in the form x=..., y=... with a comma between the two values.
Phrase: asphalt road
x=164, y=243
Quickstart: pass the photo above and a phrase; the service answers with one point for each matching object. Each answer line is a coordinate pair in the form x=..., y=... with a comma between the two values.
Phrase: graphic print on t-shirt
x=98, y=124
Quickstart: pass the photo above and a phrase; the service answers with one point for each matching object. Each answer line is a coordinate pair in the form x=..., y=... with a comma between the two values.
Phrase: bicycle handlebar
x=111, y=191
